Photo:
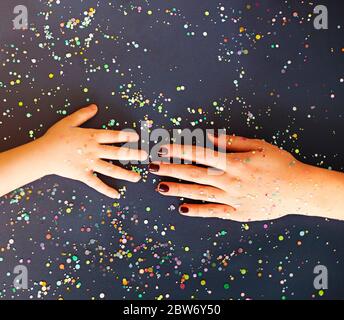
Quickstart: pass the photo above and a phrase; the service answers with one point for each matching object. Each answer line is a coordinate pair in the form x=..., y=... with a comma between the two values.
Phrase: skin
x=71, y=152
x=256, y=181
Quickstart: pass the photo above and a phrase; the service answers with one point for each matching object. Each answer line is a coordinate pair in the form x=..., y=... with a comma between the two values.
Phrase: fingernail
x=153, y=167
x=163, y=188
x=163, y=151
x=183, y=209
x=216, y=134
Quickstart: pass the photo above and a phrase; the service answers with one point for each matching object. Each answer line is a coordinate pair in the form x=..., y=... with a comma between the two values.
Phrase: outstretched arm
x=254, y=181
x=72, y=152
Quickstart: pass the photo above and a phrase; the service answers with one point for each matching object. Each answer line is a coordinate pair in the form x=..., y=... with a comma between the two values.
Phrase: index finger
x=196, y=154
x=112, y=136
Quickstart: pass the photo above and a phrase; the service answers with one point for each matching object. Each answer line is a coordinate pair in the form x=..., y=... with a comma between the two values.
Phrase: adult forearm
x=324, y=194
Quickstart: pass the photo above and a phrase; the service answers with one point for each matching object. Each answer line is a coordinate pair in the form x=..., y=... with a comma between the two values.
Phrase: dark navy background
x=172, y=58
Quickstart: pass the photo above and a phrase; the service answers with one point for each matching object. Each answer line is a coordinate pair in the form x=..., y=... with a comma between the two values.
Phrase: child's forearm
x=20, y=166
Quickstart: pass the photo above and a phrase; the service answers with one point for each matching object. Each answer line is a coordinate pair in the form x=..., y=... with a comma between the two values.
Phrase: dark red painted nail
x=153, y=167
x=163, y=188
x=184, y=209
x=163, y=152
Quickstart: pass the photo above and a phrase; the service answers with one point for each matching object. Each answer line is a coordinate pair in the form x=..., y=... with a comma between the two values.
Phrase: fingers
x=197, y=154
x=111, y=136
x=116, y=172
x=81, y=116
x=238, y=144
x=208, y=211
x=188, y=173
x=191, y=191
x=118, y=153
x=95, y=183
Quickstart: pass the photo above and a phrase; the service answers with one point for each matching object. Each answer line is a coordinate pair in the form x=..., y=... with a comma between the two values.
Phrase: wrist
x=40, y=158
x=324, y=193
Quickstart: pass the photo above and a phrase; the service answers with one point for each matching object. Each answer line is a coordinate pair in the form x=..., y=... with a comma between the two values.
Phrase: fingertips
x=95, y=183
x=92, y=107
x=163, y=188
x=88, y=112
x=134, y=177
x=82, y=115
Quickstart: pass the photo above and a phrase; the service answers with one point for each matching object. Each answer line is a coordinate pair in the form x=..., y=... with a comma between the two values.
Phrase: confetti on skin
x=81, y=245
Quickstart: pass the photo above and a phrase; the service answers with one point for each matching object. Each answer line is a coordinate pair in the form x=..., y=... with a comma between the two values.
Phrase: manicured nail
x=216, y=134
x=163, y=152
x=183, y=209
x=153, y=167
x=163, y=188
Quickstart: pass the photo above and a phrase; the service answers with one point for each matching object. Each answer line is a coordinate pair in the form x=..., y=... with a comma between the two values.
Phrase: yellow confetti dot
x=150, y=12
x=258, y=36
x=203, y=282
x=51, y=75
x=85, y=90
x=20, y=103
x=206, y=13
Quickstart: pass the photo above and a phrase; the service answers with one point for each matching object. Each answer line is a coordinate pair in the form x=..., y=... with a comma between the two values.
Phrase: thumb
x=81, y=116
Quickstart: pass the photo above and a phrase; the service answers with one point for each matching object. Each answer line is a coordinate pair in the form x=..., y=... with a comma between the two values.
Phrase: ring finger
x=191, y=191
x=110, y=170
x=207, y=176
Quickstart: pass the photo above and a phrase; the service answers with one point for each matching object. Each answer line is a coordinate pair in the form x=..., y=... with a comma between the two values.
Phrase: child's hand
x=77, y=153
x=257, y=182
